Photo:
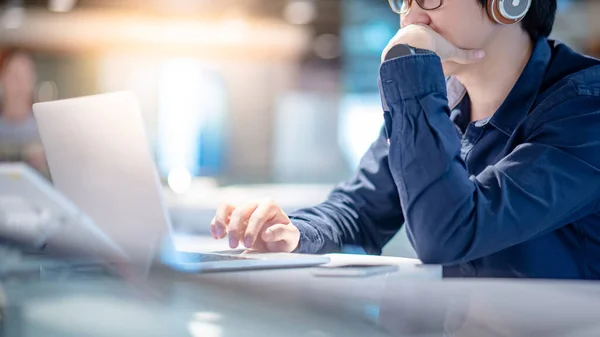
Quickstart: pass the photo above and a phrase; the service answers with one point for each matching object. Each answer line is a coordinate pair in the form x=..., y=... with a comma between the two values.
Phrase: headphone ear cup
x=490, y=10
x=505, y=12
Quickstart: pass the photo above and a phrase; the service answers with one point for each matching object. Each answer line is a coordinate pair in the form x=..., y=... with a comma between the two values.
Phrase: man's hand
x=262, y=226
x=423, y=37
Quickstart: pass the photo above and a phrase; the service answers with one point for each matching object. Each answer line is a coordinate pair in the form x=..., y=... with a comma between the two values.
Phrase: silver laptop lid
x=99, y=157
x=36, y=215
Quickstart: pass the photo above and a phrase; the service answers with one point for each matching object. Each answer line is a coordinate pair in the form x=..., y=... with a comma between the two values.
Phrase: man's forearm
x=453, y=217
x=365, y=211
x=340, y=222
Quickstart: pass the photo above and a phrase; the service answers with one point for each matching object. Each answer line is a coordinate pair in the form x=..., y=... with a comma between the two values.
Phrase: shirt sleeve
x=365, y=211
x=451, y=217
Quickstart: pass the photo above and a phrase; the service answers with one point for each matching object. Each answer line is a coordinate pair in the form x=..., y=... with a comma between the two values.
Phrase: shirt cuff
x=411, y=76
x=310, y=242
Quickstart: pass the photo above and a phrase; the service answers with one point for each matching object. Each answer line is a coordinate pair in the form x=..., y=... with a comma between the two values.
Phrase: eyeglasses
x=402, y=6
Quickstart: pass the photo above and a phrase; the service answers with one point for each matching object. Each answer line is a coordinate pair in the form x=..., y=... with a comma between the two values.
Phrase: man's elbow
x=434, y=251
x=434, y=257
x=442, y=241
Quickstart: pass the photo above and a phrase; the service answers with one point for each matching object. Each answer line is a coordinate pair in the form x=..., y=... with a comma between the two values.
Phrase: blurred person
x=19, y=138
x=489, y=153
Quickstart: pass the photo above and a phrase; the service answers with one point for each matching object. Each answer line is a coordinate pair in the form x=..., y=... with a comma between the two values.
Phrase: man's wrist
x=309, y=241
x=299, y=246
x=403, y=49
x=399, y=50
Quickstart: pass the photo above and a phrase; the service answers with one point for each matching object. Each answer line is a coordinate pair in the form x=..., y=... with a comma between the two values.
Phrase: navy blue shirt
x=517, y=195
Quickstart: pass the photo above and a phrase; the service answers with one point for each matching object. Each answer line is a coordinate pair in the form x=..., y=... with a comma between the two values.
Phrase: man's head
x=467, y=25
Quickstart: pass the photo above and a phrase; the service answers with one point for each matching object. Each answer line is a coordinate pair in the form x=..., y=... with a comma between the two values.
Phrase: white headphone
x=508, y=12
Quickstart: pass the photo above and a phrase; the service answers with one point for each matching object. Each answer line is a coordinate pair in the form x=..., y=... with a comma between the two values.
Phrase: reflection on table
x=295, y=303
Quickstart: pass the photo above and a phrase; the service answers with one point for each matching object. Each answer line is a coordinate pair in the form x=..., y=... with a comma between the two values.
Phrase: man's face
x=464, y=23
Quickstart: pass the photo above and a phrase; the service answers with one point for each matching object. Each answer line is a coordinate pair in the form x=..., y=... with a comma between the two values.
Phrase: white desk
x=294, y=284
x=410, y=302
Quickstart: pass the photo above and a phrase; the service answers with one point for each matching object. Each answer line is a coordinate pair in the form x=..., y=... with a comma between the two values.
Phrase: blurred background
x=242, y=99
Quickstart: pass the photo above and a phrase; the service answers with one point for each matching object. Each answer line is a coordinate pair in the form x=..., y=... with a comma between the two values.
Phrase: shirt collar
x=522, y=96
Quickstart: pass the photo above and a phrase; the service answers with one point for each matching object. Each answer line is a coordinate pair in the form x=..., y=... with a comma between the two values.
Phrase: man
x=494, y=170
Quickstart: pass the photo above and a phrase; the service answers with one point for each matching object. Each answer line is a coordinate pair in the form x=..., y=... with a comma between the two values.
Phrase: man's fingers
x=265, y=211
x=274, y=233
x=281, y=238
x=213, y=228
x=279, y=247
x=467, y=56
x=221, y=220
x=238, y=222
x=249, y=223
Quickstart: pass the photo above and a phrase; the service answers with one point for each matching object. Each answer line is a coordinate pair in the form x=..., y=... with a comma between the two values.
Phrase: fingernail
x=233, y=241
x=219, y=232
x=479, y=54
x=248, y=242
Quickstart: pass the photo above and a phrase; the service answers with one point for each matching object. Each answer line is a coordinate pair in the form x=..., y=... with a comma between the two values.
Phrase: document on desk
x=344, y=259
x=410, y=268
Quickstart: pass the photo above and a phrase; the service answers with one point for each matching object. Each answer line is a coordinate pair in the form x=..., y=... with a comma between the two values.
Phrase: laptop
x=38, y=218
x=99, y=157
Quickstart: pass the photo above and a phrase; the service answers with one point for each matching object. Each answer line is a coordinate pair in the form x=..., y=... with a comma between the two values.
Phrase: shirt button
x=467, y=269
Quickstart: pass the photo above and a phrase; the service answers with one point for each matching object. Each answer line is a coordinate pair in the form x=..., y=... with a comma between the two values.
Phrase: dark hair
x=540, y=18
